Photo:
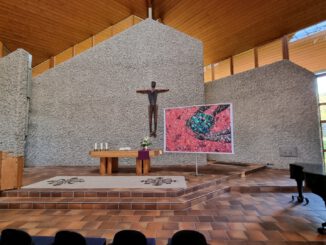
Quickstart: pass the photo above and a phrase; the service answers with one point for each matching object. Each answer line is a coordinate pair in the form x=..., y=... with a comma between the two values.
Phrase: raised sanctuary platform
x=214, y=180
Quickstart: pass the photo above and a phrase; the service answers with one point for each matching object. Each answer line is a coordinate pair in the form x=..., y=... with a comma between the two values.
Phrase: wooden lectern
x=11, y=171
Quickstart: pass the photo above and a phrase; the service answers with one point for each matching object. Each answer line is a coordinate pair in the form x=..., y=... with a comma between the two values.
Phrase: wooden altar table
x=109, y=160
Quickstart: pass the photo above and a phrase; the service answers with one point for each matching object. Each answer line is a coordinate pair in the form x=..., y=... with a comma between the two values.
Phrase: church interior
x=175, y=122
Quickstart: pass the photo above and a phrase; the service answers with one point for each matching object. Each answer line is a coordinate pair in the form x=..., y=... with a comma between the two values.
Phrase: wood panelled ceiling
x=233, y=26
x=46, y=27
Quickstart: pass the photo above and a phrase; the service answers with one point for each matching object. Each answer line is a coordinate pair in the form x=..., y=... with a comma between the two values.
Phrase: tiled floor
x=231, y=218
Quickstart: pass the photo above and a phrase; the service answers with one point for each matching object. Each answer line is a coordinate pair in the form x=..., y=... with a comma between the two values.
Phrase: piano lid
x=314, y=168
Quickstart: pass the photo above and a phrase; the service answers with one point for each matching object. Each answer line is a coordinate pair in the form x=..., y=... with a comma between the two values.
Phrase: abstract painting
x=201, y=129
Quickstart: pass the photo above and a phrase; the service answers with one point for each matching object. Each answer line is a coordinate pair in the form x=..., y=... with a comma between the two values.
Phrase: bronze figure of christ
x=153, y=107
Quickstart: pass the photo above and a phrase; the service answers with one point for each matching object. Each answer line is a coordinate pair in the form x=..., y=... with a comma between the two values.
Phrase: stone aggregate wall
x=92, y=97
x=14, y=77
x=275, y=115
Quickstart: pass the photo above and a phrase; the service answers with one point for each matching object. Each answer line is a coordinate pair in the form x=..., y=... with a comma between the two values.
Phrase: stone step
x=263, y=188
x=118, y=202
x=132, y=199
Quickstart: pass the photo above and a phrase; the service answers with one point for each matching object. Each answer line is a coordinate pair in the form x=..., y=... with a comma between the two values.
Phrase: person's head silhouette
x=153, y=84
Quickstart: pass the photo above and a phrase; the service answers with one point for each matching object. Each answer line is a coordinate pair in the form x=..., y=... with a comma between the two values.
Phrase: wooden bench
x=109, y=160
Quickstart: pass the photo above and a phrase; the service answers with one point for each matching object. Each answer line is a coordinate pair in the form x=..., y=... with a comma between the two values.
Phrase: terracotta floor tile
x=161, y=219
x=218, y=242
x=205, y=219
x=108, y=225
x=292, y=236
x=138, y=226
x=166, y=234
x=237, y=235
x=146, y=218
x=253, y=226
x=219, y=235
x=170, y=226
x=187, y=226
x=123, y=225
x=154, y=225
x=255, y=235
x=270, y=226
x=190, y=218
x=150, y=233
x=47, y=232
x=203, y=226
x=236, y=226
x=76, y=225
x=92, y=225
x=274, y=235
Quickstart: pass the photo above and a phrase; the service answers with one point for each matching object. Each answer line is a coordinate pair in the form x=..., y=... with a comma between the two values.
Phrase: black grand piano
x=314, y=176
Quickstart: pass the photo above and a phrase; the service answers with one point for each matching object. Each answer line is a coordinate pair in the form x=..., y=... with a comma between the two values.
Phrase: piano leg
x=322, y=229
x=300, y=197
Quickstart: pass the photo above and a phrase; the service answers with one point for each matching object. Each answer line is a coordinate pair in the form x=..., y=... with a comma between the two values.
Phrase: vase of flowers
x=145, y=143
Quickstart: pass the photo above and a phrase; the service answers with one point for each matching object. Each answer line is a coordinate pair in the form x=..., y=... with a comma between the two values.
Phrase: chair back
x=69, y=238
x=15, y=237
x=129, y=237
x=188, y=237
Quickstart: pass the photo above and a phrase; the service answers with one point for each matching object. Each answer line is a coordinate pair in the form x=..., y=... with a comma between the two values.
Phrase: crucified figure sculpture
x=153, y=107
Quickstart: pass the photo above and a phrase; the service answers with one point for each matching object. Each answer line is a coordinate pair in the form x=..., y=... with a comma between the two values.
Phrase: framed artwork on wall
x=199, y=129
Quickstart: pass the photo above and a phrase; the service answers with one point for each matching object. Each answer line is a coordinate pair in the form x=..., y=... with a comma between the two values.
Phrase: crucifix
x=153, y=107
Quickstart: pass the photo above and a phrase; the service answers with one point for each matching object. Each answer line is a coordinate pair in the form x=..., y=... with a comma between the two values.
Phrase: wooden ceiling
x=46, y=27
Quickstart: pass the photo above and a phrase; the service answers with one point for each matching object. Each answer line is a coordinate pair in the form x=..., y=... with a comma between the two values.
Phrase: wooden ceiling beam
x=285, y=48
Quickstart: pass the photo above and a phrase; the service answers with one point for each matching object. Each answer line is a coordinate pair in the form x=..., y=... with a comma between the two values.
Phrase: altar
x=109, y=160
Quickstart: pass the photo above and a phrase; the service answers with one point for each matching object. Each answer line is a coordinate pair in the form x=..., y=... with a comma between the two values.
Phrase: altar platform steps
x=134, y=199
x=205, y=182
x=121, y=203
x=131, y=203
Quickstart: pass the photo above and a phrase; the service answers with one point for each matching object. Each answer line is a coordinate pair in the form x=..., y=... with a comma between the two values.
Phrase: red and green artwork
x=204, y=128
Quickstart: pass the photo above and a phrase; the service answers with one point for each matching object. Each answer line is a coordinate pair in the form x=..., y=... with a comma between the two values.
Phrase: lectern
x=11, y=171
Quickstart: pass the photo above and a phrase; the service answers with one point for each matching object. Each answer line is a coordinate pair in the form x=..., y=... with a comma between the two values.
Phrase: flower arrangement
x=145, y=142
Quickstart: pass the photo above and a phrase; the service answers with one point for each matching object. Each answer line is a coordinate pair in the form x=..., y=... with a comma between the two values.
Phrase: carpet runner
x=107, y=182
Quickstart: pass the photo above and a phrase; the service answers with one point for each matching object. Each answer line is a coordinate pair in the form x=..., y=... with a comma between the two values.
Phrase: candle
x=106, y=146
x=101, y=146
x=95, y=147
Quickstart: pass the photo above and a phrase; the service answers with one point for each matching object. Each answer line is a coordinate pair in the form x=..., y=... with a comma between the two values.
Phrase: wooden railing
x=86, y=44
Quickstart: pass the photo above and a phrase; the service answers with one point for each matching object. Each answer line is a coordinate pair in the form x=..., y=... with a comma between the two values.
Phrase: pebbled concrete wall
x=275, y=114
x=92, y=97
x=14, y=77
